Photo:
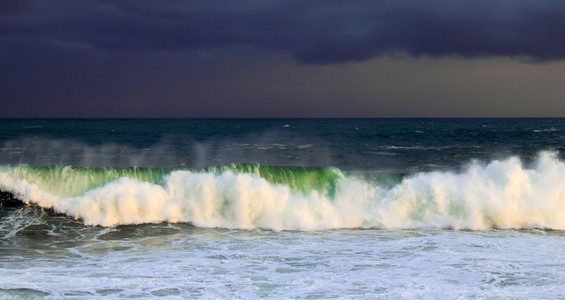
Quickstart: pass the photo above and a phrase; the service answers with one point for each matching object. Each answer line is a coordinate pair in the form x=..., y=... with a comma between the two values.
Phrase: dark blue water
x=382, y=145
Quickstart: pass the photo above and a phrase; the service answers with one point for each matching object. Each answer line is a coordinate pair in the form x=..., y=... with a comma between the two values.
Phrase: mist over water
x=349, y=144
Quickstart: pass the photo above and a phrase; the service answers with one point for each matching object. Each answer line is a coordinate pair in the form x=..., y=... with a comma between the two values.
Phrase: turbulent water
x=282, y=208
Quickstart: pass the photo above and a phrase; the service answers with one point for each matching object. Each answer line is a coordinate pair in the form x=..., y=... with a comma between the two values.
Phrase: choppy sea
x=282, y=208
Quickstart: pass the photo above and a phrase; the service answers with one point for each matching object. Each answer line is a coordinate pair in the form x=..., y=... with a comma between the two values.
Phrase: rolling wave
x=500, y=194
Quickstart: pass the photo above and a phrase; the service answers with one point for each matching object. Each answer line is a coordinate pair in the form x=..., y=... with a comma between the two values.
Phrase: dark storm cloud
x=315, y=32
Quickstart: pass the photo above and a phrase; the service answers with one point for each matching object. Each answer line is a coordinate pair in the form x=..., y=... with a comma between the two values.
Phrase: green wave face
x=73, y=181
x=305, y=180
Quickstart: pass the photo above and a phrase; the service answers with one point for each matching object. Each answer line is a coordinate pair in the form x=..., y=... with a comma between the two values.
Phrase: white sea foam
x=500, y=194
x=551, y=129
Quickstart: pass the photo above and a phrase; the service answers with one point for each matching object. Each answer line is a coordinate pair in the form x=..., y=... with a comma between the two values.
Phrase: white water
x=500, y=194
x=185, y=262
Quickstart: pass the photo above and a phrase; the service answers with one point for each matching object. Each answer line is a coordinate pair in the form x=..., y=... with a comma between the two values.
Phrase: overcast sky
x=452, y=58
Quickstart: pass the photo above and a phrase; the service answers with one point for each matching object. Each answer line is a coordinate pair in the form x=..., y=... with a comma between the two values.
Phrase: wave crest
x=500, y=194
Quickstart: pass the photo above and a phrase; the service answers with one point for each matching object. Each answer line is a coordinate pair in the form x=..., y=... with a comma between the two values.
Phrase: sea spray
x=298, y=178
x=500, y=194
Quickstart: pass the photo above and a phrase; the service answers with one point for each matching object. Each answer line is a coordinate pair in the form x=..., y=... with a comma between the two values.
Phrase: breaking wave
x=499, y=194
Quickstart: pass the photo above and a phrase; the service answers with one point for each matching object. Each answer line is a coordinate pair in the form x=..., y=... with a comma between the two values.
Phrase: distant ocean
x=282, y=208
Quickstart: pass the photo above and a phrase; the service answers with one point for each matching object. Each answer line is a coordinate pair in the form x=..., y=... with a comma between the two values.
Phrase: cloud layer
x=255, y=58
x=313, y=32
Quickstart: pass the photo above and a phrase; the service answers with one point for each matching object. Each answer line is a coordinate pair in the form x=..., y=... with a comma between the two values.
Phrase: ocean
x=282, y=208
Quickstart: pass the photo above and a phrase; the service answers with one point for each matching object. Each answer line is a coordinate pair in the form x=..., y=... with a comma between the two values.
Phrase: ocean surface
x=282, y=208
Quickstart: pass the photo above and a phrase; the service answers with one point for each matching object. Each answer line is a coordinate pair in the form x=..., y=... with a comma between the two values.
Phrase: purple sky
x=138, y=58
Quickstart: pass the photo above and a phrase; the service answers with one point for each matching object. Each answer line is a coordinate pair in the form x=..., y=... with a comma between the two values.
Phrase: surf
x=499, y=194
